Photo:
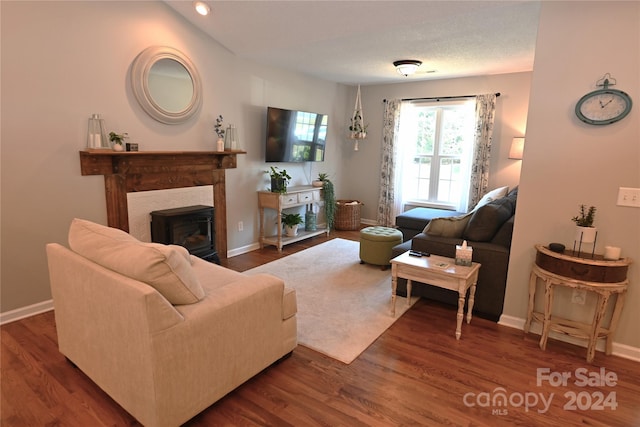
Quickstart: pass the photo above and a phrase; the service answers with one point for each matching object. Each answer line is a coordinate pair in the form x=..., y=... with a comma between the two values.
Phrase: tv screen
x=295, y=136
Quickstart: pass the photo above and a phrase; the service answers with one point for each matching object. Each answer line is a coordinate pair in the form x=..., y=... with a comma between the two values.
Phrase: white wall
x=362, y=168
x=568, y=163
x=63, y=61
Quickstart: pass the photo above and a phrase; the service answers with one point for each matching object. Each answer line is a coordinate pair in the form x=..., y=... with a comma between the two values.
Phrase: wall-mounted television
x=295, y=136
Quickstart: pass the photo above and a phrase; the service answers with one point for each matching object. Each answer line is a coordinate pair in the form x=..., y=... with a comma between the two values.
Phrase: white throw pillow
x=492, y=195
x=167, y=268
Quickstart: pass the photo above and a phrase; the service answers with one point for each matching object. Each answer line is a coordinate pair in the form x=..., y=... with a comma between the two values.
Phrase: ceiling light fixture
x=407, y=66
x=202, y=8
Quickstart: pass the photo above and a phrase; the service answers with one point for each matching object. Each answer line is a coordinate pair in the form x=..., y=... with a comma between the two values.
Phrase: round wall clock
x=603, y=106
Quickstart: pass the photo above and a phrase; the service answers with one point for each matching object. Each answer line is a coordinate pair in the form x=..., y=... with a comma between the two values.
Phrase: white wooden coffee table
x=437, y=271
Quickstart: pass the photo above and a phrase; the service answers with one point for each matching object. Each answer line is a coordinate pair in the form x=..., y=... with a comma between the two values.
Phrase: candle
x=612, y=253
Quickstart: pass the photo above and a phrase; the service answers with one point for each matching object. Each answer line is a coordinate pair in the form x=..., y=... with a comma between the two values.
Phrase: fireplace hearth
x=189, y=226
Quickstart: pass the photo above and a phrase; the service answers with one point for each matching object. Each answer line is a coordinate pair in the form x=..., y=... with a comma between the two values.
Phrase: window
x=436, y=145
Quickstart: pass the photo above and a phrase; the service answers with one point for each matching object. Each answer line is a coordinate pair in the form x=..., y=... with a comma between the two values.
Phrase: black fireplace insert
x=189, y=226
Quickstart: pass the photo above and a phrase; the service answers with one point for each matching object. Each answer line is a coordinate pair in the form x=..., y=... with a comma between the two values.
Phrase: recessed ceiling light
x=202, y=8
x=407, y=66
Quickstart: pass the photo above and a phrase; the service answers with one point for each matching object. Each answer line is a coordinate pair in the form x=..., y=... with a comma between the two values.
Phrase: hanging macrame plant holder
x=357, y=129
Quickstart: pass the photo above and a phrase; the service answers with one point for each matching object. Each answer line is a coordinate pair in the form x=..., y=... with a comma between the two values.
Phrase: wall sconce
x=517, y=147
x=202, y=8
x=407, y=66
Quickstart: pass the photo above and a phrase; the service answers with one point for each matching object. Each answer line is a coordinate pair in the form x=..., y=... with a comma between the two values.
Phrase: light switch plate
x=629, y=197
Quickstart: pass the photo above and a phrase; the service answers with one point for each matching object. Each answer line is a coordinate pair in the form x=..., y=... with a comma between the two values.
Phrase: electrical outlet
x=579, y=296
x=629, y=197
x=240, y=226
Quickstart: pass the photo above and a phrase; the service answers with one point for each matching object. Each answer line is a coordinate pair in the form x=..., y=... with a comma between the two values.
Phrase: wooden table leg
x=533, y=280
x=615, y=317
x=601, y=306
x=409, y=292
x=548, y=303
x=460, y=316
x=394, y=288
x=472, y=293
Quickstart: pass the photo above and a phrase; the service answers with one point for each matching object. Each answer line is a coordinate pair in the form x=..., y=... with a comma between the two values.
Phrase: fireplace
x=189, y=226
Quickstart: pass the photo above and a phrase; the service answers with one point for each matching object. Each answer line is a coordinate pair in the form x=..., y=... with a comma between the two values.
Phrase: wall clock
x=603, y=106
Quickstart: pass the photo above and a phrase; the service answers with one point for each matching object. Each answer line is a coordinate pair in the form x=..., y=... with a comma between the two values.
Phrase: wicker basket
x=347, y=215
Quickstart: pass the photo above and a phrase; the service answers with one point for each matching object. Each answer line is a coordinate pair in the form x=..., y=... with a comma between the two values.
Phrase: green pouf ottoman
x=376, y=244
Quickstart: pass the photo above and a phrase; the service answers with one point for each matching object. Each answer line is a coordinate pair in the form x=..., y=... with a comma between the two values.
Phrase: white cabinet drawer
x=289, y=199
x=306, y=197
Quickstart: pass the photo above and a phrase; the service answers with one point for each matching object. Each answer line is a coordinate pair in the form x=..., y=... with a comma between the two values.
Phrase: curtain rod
x=438, y=98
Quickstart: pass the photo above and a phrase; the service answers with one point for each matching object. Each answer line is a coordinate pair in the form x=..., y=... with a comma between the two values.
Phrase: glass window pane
x=426, y=132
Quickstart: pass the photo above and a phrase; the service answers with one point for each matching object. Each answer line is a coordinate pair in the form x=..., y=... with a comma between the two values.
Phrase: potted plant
x=319, y=182
x=291, y=221
x=118, y=140
x=279, y=179
x=329, y=197
x=586, y=232
x=358, y=128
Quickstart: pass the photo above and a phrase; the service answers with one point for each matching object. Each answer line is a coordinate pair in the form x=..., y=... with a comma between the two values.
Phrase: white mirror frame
x=140, y=83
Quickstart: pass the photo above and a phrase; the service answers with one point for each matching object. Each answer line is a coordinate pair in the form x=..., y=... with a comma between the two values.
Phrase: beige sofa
x=163, y=333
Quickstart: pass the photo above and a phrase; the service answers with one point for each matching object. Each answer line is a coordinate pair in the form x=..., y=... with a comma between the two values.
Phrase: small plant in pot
x=279, y=179
x=319, y=182
x=291, y=221
x=118, y=140
x=586, y=232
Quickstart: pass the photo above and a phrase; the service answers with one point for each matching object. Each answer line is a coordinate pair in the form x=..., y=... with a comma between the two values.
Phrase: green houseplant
x=585, y=217
x=329, y=197
x=585, y=232
x=291, y=221
x=117, y=139
x=279, y=179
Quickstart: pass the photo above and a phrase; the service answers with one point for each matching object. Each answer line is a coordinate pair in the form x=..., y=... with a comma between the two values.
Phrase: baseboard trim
x=28, y=311
x=243, y=250
x=621, y=350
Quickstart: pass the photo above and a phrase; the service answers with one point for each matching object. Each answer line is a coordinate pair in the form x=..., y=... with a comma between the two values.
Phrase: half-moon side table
x=580, y=271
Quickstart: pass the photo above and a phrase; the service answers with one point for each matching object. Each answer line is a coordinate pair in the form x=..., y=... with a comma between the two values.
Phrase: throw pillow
x=167, y=268
x=486, y=220
x=447, y=227
x=492, y=195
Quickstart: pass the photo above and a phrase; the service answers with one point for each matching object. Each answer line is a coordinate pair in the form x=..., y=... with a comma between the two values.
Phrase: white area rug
x=343, y=306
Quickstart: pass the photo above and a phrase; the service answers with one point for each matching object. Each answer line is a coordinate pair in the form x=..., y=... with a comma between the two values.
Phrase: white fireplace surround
x=142, y=203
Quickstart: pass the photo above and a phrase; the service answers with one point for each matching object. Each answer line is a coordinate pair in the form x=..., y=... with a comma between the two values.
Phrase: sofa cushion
x=503, y=236
x=448, y=227
x=492, y=195
x=486, y=220
x=167, y=268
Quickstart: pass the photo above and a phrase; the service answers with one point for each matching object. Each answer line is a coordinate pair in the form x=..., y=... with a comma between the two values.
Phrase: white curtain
x=389, y=200
x=485, y=115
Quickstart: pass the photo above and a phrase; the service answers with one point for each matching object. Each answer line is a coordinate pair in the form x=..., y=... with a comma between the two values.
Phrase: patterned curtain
x=485, y=114
x=387, y=209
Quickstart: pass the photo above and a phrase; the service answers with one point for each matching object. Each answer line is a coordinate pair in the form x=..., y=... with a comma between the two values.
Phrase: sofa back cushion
x=487, y=220
x=167, y=268
x=448, y=227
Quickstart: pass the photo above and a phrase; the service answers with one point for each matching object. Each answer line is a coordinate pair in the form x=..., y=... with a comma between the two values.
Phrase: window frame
x=437, y=156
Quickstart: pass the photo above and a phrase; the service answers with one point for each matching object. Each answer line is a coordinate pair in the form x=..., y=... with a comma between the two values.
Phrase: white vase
x=317, y=183
x=586, y=234
x=291, y=230
x=118, y=147
x=220, y=145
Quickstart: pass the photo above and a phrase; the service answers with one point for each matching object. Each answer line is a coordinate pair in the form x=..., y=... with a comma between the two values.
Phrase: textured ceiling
x=355, y=42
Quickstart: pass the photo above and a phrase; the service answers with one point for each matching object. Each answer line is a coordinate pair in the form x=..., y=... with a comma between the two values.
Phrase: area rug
x=343, y=306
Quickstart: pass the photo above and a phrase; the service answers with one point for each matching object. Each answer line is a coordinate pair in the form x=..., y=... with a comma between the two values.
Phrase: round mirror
x=166, y=84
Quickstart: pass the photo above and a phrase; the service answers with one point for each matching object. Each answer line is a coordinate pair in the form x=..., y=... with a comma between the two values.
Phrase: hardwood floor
x=416, y=373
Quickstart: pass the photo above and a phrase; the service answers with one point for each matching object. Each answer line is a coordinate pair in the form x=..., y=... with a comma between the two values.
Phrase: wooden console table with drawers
x=305, y=195
x=581, y=271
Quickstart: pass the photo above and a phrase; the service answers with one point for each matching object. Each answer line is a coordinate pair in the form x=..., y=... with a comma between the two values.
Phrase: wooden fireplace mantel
x=128, y=172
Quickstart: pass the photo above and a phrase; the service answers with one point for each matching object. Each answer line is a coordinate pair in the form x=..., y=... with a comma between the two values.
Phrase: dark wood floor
x=416, y=373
